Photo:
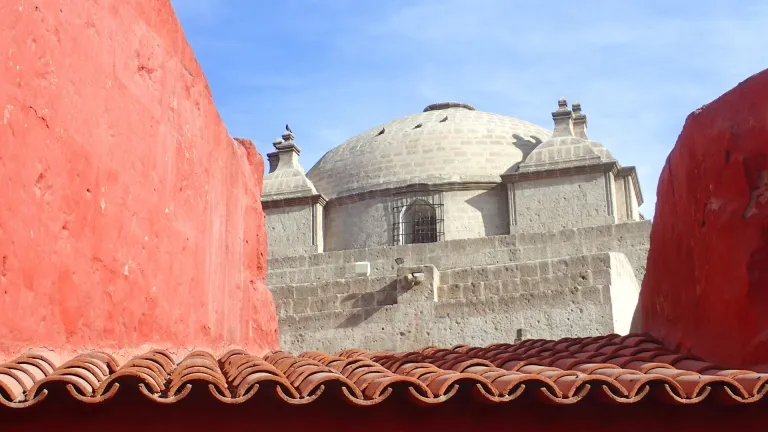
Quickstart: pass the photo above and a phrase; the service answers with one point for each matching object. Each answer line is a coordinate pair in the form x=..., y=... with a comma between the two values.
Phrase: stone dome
x=448, y=142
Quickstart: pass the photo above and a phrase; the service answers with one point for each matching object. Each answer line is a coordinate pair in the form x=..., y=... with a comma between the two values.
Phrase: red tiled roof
x=612, y=368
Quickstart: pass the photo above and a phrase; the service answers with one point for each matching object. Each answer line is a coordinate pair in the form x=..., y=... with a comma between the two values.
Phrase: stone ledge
x=562, y=300
x=629, y=238
x=389, y=253
x=331, y=287
x=328, y=320
x=530, y=269
x=493, y=304
x=336, y=302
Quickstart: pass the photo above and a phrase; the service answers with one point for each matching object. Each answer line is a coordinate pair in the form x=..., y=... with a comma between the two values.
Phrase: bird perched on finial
x=288, y=128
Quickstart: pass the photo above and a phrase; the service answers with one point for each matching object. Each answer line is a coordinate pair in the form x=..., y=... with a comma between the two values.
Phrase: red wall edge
x=128, y=216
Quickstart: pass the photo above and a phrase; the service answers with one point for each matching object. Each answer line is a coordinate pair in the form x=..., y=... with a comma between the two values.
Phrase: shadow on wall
x=363, y=301
x=489, y=204
x=526, y=146
x=357, y=225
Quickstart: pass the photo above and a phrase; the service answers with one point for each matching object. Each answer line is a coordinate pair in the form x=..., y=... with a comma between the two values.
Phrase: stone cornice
x=412, y=188
x=630, y=171
x=267, y=203
x=549, y=173
x=612, y=167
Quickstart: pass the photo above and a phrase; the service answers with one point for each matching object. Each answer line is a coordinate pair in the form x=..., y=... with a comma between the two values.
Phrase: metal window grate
x=418, y=218
x=425, y=227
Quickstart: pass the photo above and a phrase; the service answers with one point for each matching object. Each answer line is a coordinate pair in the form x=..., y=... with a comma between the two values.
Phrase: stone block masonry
x=584, y=295
x=481, y=290
x=631, y=239
x=292, y=226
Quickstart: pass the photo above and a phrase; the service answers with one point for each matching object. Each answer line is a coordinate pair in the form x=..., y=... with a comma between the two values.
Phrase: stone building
x=133, y=294
x=453, y=225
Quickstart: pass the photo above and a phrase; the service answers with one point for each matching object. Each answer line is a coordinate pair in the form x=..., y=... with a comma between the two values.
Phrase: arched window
x=417, y=217
x=419, y=223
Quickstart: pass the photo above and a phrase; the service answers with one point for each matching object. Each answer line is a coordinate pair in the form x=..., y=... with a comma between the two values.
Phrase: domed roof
x=448, y=142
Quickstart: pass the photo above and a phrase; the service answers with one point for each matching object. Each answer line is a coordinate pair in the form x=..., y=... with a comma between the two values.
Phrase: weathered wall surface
x=623, y=199
x=631, y=239
x=706, y=290
x=290, y=230
x=369, y=222
x=359, y=224
x=421, y=306
x=476, y=213
x=562, y=202
x=129, y=217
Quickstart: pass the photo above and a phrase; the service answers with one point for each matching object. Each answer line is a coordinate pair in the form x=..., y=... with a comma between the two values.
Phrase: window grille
x=418, y=218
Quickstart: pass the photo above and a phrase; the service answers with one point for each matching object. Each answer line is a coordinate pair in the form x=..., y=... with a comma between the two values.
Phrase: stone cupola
x=290, y=201
x=286, y=178
x=569, y=145
x=570, y=174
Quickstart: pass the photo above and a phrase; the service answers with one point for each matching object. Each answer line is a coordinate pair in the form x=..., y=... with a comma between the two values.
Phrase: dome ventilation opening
x=445, y=119
x=381, y=132
x=447, y=105
x=418, y=126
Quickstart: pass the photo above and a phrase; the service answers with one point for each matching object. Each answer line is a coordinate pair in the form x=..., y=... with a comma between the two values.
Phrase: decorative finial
x=576, y=108
x=288, y=135
x=563, y=118
x=287, y=152
x=579, y=121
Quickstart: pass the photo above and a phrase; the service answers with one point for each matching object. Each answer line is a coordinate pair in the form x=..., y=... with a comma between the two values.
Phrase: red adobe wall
x=128, y=216
x=706, y=286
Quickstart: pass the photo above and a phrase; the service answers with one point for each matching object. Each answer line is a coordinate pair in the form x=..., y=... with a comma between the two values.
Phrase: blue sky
x=334, y=68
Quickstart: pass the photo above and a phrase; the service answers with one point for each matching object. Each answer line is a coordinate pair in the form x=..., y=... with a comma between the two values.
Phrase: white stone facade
x=477, y=291
x=453, y=177
x=490, y=174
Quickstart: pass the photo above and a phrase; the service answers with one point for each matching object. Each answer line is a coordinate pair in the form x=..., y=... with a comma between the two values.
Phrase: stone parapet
x=631, y=239
x=584, y=295
x=533, y=276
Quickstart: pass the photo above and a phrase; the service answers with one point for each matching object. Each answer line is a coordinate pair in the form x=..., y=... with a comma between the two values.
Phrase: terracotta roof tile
x=610, y=368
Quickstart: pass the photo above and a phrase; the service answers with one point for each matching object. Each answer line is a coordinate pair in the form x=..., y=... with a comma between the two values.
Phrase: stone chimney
x=579, y=121
x=563, y=118
x=287, y=154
